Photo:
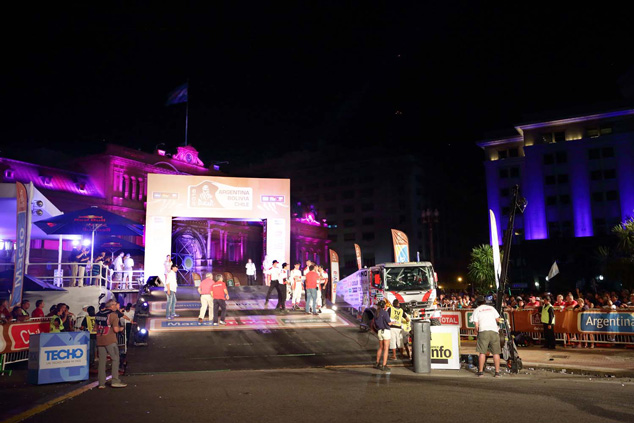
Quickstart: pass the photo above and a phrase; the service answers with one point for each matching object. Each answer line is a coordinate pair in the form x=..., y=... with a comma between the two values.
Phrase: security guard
x=57, y=324
x=547, y=312
x=396, y=338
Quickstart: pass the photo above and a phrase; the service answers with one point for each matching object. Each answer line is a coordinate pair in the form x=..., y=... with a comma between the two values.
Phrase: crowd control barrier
x=595, y=325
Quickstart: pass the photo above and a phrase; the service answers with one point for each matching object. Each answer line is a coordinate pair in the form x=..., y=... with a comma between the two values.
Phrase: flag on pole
x=554, y=270
x=357, y=251
x=179, y=95
x=401, y=246
x=495, y=246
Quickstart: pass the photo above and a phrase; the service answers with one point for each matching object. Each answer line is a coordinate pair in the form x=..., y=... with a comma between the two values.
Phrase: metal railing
x=93, y=274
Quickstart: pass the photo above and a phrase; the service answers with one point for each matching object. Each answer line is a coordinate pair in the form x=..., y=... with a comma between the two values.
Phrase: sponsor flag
x=495, y=245
x=554, y=271
x=401, y=246
x=334, y=274
x=357, y=251
x=179, y=95
x=20, y=240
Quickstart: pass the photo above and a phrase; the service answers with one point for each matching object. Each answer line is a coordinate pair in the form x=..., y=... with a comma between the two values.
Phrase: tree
x=480, y=269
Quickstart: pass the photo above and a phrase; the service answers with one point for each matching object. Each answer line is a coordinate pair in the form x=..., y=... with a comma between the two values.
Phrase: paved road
x=351, y=395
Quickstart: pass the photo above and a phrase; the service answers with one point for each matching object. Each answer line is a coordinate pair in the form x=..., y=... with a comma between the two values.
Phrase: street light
x=430, y=217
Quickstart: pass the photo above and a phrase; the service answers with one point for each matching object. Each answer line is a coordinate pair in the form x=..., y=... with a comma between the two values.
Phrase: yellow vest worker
x=90, y=325
x=53, y=328
x=546, y=315
x=396, y=315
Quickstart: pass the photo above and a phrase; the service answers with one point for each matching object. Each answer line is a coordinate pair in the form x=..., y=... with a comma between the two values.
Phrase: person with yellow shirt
x=396, y=317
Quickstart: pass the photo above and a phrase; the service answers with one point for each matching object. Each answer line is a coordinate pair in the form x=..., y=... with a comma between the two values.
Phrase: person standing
x=220, y=294
x=547, y=313
x=128, y=265
x=296, y=285
x=56, y=324
x=266, y=268
x=312, y=279
x=282, y=288
x=274, y=275
x=83, y=260
x=107, y=327
x=206, y=298
x=39, y=309
x=73, y=259
x=171, y=285
x=20, y=312
x=384, y=333
x=167, y=264
x=89, y=325
x=250, y=266
x=396, y=337
x=486, y=319
x=117, y=264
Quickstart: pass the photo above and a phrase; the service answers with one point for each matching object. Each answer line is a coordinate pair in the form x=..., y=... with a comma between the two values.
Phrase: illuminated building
x=116, y=180
x=576, y=174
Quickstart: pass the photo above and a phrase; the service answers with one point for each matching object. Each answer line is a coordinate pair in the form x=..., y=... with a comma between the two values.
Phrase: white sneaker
x=222, y=322
x=118, y=384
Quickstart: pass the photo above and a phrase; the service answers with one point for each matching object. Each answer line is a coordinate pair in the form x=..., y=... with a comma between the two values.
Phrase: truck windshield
x=409, y=278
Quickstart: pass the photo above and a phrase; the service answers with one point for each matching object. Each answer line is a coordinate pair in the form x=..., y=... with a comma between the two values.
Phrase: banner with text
x=334, y=274
x=401, y=246
x=357, y=252
x=20, y=247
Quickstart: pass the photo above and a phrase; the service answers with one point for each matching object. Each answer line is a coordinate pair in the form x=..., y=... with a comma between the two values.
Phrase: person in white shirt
x=171, y=285
x=486, y=319
x=250, y=266
x=284, y=286
x=117, y=264
x=167, y=264
x=128, y=264
x=266, y=269
x=295, y=279
x=276, y=284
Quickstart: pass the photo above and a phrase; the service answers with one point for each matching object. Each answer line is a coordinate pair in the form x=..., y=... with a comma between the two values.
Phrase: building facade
x=577, y=175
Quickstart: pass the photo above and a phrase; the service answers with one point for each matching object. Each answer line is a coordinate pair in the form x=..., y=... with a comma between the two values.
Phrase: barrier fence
x=571, y=326
x=15, y=339
x=60, y=275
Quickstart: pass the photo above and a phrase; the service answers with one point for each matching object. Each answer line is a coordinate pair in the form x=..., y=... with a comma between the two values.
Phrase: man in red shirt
x=532, y=302
x=312, y=279
x=39, y=309
x=206, y=300
x=220, y=294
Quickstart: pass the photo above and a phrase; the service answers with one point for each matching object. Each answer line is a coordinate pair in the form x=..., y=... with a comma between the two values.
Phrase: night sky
x=432, y=76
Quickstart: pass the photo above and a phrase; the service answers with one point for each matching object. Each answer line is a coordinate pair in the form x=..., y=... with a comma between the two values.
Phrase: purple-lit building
x=116, y=180
x=577, y=174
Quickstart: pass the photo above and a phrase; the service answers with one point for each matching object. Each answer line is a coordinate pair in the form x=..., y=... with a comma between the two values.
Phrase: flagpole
x=187, y=113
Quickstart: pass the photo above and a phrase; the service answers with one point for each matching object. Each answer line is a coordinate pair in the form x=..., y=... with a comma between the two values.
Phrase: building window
x=350, y=237
x=597, y=197
x=561, y=157
x=549, y=159
x=504, y=173
x=597, y=153
x=562, y=179
x=609, y=174
x=550, y=179
x=551, y=200
x=514, y=152
x=598, y=131
x=514, y=172
x=607, y=152
x=564, y=199
x=611, y=195
x=368, y=236
x=559, y=136
x=502, y=154
x=596, y=175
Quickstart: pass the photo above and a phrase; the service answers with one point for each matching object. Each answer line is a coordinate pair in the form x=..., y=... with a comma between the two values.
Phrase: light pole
x=430, y=217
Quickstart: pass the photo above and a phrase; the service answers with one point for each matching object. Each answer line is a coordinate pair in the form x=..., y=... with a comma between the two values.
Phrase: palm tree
x=480, y=270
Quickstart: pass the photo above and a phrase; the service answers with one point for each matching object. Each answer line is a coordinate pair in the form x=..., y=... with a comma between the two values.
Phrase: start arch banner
x=247, y=199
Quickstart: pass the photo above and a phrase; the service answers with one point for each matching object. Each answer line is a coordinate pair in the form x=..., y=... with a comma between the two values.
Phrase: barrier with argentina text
x=58, y=357
x=615, y=322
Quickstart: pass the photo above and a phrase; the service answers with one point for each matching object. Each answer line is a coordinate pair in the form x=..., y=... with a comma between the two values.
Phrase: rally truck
x=413, y=284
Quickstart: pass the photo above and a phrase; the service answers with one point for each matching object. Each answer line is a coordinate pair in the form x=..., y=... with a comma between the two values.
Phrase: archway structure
x=170, y=196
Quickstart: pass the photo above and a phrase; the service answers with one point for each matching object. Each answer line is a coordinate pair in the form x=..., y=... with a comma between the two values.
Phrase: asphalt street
x=350, y=395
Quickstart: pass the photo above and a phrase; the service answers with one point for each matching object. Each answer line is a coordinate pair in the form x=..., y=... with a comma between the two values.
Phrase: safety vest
x=396, y=314
x=52, y=328
x=546, y=315
x=406, y=326
x=90, y=325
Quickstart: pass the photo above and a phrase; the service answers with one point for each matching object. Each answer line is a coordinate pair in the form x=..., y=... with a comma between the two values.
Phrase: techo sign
x=63, y=356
